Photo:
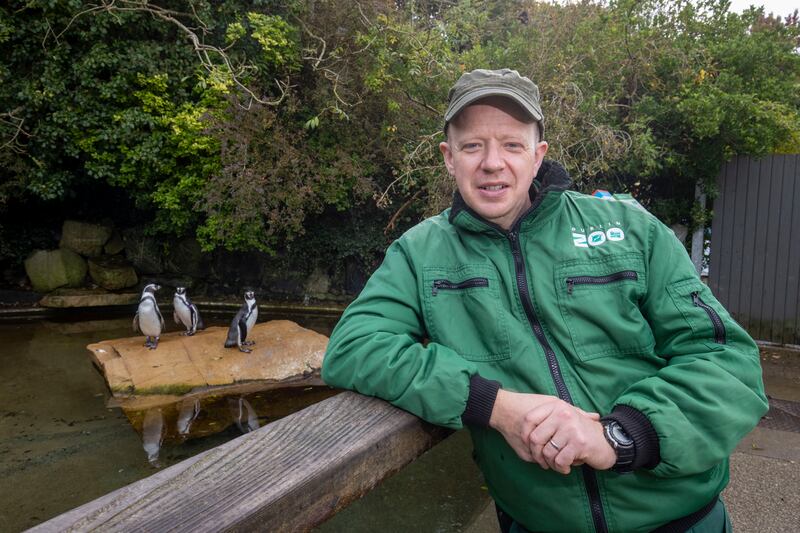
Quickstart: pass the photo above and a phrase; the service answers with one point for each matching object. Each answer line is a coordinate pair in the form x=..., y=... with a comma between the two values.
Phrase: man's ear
x=447, y=153
x=538, y=155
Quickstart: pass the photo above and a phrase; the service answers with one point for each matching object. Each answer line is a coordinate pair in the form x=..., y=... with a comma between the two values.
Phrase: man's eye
x=470, y=147
x=515, y=146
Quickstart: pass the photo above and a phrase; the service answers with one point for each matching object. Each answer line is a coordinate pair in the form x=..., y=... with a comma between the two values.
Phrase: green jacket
x=588, y=299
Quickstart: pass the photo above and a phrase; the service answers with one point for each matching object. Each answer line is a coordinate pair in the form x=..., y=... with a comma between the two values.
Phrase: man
x=526, y=311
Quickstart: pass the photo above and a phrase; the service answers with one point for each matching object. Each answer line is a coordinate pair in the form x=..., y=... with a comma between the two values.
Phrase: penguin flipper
x=242, y=330
x=160, y=318
x=136, y=322
x=199, y=320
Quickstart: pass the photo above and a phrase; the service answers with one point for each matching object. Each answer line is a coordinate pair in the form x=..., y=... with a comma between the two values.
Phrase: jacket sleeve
x=709, y=394
x=377, y=349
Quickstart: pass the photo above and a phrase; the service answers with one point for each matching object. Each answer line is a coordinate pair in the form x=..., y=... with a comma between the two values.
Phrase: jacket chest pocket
x=463, y=311
x=599, y=301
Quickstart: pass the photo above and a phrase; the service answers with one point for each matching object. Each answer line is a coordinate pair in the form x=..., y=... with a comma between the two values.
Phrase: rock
x=114, y=245
x=284, y=352
x=84, y=238
x=142, y=251
x=63, y=298
x=112, y=272
x=52, y=269
x=318, y=284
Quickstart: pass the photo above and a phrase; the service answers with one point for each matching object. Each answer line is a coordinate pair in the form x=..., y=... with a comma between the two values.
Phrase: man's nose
x=492, y=158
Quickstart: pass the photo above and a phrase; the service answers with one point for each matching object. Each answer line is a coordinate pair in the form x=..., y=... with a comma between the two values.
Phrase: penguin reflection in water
x=148, y=319
x=243, y=323
x=186, y=312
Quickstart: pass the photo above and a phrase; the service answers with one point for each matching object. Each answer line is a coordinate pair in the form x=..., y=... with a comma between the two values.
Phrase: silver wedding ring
x=554, y=445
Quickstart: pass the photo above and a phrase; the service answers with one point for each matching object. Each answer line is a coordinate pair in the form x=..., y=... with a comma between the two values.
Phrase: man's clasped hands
x=549, y=431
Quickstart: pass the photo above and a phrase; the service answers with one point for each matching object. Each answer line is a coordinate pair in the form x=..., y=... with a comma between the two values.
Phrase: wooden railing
x=290, y=475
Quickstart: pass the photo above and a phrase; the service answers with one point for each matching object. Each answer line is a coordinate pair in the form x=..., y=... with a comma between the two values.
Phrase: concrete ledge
x=62, y=298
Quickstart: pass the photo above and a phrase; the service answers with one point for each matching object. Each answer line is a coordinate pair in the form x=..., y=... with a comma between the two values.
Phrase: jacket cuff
x=639, y=428
x=482, y=394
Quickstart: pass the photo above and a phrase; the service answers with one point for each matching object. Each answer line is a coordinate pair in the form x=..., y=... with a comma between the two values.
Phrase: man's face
x=494, y=156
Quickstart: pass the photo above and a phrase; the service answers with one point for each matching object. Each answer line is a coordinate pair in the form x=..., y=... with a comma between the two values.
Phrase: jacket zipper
x=600, y=280
x=443, y=284
x=716, y=321
x=589, y=475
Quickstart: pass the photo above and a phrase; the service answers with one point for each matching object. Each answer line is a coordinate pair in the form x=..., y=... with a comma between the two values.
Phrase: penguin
x=186, y=312
x=148, y=318
x=243, y=323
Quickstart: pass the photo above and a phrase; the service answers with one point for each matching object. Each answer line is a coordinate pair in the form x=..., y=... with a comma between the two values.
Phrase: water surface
x=60, y=445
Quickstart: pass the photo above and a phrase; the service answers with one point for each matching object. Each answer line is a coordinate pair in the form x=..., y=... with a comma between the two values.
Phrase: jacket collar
x=550, y=177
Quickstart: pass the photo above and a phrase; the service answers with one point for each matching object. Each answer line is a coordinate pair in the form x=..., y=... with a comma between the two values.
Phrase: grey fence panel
x=792, y=335
x=786, y=300
x=755, y=245
x=773, y=303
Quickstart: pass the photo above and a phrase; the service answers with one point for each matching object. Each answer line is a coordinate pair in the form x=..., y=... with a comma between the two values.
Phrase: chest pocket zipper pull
x=716, y=321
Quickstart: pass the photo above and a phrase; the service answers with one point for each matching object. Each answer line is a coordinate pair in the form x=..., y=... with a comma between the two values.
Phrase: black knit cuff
x=482, y=394
x=639, y=428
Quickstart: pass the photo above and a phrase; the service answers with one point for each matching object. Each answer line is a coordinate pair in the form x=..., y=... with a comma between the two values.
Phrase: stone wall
x=100, y=257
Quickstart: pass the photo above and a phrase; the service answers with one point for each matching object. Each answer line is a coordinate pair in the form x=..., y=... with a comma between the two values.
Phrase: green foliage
x=277, y=38
x=247, y=122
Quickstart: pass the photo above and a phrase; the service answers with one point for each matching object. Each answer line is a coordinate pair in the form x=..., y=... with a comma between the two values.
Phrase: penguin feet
x=248, y=343
x=154, y=344
x=147, y=342
x=245, y=350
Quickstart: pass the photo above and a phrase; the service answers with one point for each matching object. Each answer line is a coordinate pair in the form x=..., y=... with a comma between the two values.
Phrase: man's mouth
x=492, y=187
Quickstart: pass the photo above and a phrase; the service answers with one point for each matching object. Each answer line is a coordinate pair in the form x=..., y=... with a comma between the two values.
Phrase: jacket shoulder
x=428, y=231
x=630, y=209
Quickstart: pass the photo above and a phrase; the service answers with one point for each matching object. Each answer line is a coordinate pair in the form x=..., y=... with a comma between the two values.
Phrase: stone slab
x=284, y=351
x=64, y=298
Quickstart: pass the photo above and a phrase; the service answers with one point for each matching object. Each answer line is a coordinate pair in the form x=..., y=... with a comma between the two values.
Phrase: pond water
x=62, y=446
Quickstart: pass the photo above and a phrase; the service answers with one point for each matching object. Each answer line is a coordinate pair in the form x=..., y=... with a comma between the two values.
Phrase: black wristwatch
x=622, y=443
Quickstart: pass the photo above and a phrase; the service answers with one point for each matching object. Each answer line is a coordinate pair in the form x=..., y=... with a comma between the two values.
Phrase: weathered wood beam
x=290, y=475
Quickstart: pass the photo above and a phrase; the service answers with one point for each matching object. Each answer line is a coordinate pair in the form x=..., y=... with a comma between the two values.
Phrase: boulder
x=84, y=238
x=112, y=272
x=114, y=245
x=52, y=269
x=142, y=251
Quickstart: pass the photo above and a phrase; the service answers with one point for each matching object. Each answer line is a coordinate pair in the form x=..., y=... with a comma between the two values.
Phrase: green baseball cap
x=480, y=83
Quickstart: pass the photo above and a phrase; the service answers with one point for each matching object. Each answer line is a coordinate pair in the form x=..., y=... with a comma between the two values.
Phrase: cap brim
x=457, y=106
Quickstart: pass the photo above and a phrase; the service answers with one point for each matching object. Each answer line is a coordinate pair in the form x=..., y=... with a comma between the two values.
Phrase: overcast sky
x=778, y=7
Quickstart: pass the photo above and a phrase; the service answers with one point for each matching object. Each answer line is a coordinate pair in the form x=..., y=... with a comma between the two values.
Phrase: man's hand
x=564, y=436
x=510, y=416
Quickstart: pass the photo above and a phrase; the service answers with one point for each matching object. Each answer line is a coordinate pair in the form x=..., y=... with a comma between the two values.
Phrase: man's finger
x=592, y=415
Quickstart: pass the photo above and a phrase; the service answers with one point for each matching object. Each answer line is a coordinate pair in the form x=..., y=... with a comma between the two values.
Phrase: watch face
x=618, y=434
